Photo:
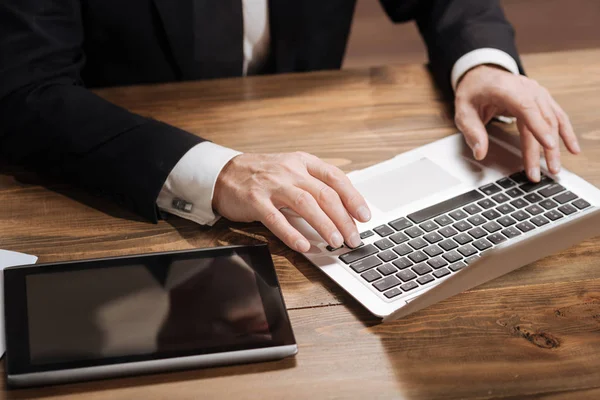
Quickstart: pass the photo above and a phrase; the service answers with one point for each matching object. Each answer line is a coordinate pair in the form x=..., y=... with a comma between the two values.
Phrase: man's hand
x=254, y=187
x=487, y=91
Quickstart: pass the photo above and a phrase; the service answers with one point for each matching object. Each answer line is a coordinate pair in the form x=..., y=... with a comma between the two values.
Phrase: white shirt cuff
x=188, y=190
x=479, y=57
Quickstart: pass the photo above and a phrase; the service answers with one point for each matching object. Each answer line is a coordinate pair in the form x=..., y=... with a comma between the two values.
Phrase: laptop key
x=433, y=250
x=443, y=220
x=539, y=220
x=519, y=203
x=429, y=226
x=448, y=244
x=386, y=283
x=491, y=214
x=486, y=203
x=445, y=206
x=533, y=186
x=505, y=209
x=548, y=204
x=457, y=266
x=448, y=231
x=567, y=209
x=477, y=220
x=458, y=214
x=399, y=237
x=482, y=244
x=533, y=197
x=403, y=249
x=496, y=238
x=414, y=232
x=511, y=232
x=477, y=233
x=440, y=273
x=402, y=263
x=387, y=269
x=500, y=198
x=418, y=243
x=462, y=226
x=462, y=238
x=581, y=204
x=534, y=209
x=472, y=209
x=365, y=264
x=519, y=177
x=514, y=192
x=406, y=275
x=467, y=250
x=438, y=262
x=506, y=183
x=425, y=279
x=565, y=197
x=433, y=237
x=387, y=256
x=384, y=244
x=400, y=223
x=520, y=215
x=452, y=256
x=383, y=230
x=490, y=189
x=366, y=234
x=417, y=257
x=371, y=275
x=525, y=226
x=553, y=215
x=492, y=226
x=359, y=253
x=407, y=287
x=551, y=190
x=506, y=221
x=422, y=269
x=393, y=292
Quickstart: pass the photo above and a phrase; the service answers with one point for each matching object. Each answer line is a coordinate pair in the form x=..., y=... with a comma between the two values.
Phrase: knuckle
x=302, y=200
x=272, y=219
x=328, y=196
x=254, y=195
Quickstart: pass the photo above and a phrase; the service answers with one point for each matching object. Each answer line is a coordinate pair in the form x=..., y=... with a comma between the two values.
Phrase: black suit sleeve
x=50, y=122
x=452, y=28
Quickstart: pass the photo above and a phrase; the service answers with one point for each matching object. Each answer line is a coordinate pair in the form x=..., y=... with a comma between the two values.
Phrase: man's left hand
x=487, y=91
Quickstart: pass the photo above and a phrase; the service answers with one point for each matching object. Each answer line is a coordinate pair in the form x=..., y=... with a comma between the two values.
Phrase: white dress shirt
x=188, y=190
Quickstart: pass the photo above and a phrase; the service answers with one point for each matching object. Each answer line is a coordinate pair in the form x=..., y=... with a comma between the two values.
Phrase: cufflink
x=182, y=205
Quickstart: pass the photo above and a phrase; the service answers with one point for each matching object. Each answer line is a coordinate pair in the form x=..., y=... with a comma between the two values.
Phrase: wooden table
x=534, y=331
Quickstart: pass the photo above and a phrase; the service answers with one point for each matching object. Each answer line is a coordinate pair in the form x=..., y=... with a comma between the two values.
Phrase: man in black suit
x=51, y=51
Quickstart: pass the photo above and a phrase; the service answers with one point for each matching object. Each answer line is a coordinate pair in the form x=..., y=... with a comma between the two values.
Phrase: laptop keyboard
x=430, y=244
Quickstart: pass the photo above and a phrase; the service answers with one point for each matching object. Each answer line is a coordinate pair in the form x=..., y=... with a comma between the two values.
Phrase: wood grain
x=533, y=332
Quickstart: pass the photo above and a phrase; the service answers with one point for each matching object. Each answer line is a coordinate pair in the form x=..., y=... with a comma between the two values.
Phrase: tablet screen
x=154, y=307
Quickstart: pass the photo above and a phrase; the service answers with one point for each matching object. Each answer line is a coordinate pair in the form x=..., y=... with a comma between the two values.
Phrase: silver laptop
x=443, y=223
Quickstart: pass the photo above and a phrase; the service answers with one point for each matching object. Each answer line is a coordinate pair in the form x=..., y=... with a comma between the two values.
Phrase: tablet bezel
x=16, y=317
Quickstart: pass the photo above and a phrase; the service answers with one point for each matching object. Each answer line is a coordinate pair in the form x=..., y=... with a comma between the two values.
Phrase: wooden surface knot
x=527, y=331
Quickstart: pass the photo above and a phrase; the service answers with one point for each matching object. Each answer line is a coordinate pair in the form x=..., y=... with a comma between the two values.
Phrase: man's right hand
x=254, y=187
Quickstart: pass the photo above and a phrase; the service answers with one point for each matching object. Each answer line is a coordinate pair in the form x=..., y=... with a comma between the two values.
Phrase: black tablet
x=145, y=313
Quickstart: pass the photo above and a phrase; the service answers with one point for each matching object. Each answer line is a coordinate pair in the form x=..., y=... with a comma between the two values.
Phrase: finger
x=338, y=181
x=565, y=128
x=330, y=202
x=469, y=123
x=552, y=155
x=526, y=108
x=530, y=148
x=303, y=203
x=276, y=222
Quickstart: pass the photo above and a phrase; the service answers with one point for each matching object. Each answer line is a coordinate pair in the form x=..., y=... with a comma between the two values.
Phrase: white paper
x=9, y=259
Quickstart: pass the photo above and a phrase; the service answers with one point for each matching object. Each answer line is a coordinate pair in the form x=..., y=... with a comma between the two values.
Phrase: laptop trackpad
x=403, y=185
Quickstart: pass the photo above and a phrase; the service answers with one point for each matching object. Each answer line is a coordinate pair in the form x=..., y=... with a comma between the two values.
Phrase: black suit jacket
x=51, y=51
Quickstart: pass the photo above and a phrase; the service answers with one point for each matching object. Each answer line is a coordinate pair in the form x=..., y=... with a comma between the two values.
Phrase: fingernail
x=534, y=174
x=576, y=147
x=476, y=148
x=554, y=167
x=302, y=245
x=337, y=240
x=363, y=213
x=354, y=240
